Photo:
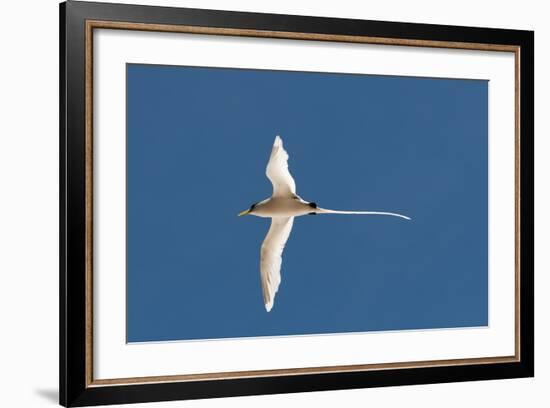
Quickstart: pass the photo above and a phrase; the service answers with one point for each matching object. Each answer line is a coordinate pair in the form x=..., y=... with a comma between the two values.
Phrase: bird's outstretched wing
x=277, y=171
x=271, y=257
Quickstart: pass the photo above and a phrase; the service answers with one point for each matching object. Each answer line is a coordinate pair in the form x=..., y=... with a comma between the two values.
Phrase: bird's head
x=248, y=211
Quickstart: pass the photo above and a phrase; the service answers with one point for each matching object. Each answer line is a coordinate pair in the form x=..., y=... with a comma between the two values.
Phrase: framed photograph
x=383, y=177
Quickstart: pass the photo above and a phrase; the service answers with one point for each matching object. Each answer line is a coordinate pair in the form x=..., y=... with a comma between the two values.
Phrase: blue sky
x=198, y=143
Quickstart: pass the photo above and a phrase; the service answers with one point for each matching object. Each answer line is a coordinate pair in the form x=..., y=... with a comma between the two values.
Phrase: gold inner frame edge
x=92, y=24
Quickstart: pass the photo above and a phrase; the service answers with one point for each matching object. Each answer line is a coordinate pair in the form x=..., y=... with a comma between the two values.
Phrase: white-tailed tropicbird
x=282, y=207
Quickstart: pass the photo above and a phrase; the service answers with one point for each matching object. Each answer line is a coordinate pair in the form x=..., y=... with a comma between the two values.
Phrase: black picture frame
x=75, y=387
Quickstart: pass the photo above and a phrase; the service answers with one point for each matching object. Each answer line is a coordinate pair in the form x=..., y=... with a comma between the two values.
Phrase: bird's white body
x=282, y=207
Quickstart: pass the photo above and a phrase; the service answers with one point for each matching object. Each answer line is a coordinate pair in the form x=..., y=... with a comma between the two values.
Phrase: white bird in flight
x=282, y=207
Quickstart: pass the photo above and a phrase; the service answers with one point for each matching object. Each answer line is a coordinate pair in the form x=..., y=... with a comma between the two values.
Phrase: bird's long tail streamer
x=319, y=210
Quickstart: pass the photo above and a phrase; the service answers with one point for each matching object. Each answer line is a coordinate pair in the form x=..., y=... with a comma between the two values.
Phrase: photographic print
x=366, y=199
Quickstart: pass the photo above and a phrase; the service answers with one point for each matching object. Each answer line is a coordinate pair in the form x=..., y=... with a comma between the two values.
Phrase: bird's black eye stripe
x=252, y=206
x=312, y=205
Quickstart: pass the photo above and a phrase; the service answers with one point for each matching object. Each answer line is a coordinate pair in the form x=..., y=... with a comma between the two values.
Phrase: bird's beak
x=244, y=212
